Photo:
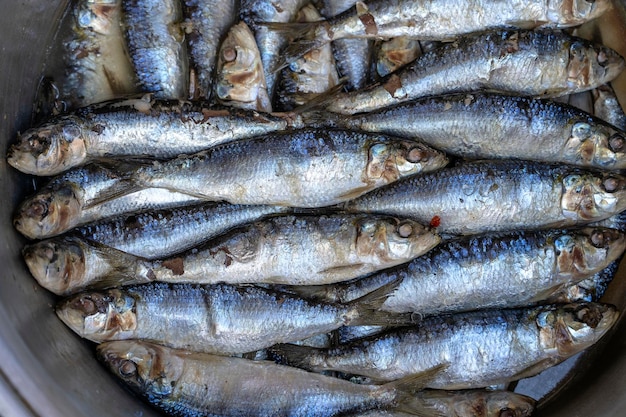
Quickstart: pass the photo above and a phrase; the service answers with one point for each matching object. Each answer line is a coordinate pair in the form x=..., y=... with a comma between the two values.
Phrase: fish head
x=100, y=316
x=49, y=212
x=575, y=12
x=396, y=53
x=482, y=403
x=585, y=252
x=599, y=145
x=570, y=328
x=590, y=196
x=97, y=15
x=392, y=240
x=389, y=162
x=240, y=76
x=147, y=368
x=49, y=149
x=591, y=65
x=57, y=264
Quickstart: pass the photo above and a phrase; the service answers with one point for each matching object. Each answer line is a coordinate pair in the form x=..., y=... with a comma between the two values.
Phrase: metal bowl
x=45, y=370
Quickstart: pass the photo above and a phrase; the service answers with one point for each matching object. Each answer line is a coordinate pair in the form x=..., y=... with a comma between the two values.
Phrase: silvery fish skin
x=156, y=45
x=270, y=43
x=184, y=383
x=281, y=250
x=607, y=107
x=480, y=348
x=161, y=233
x=98, y=67
x=240, y=79
x=310, y=75
x=395, y=54
x=207, y=23
x=222, y=319
x=67, y=202
x=133, y=128
x=444, y=19
x=484, y=271
x=535, y=63
x=469, y=403
x=493, y=126
x=485, y=196
x=304, y=168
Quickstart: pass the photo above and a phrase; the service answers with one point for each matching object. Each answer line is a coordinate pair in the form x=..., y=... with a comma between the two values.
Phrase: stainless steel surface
x=45, y=370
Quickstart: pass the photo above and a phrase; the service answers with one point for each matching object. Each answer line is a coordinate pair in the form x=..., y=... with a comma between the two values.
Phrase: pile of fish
x=424, y=222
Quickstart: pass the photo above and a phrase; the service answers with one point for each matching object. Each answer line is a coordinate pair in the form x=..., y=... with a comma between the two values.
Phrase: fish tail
x=309, y=35
x=369, y=310
x=406, y=400
x=293, y=355
x=321, y=101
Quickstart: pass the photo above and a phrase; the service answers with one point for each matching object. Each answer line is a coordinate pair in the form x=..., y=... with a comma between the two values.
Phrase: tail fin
x=321, y=118
x=406, y=388
x=294, y=355
x=370, y=313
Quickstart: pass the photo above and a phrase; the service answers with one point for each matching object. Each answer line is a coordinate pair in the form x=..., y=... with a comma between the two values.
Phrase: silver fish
x=133, y=128
x=590, y=289
x=97, y=65
x=487, y=196
x=156, y=45
x=440, y=19
x=310, y=75
x=495, y=61
x=480, y=348
x=240, y=79
x=493, y=126
x=162, y=233
x=490, y=271
x=67, y=202
x=206, y=24
x=185, y=383
x=607, y=107
x=280, y=250
x=304, y=168
x=222, y=319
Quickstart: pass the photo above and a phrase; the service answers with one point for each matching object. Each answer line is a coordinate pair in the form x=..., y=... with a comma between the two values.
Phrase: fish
x=134, y=128
x=156, y=44
x=487, y=271
x=395, y=54
x=309, y=76
x=270, y=43
x=66, y=202
x=181, y=382
x=488, y=196
x=468, y=403
x=285, y=249
x=479, y=348
x=240, y=79
x=437, y=20
x=97, y=67
x=160, y=233
x=220, y=319
x=494, y=126
x=590, y=289
x=494, y=61
x=206, y=24
x=307, y=168
x=607, y=107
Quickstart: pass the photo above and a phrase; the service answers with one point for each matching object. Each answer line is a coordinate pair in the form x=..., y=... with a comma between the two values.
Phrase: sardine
x=480, y=348
x=97, y=65
x=66, y=202
x=439, y=20
x=240, y=79
x=492, y=126
x=161, y=233
x=184, y=383
x=280, y=250
x=207, y=22
x=395, y=54
x=535, y=63
x=607, y=107
x=310, y=75
x=156, y=43
x=133, y=128
x=221, y=318
x=487, y=196
x=590, y=289
x=305, y=168
x=490, y=271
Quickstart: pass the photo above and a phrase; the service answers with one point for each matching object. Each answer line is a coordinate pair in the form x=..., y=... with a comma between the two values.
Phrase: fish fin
x=124, y=187
x=355, y=268
x=407, y=387
x=370, y=313
x=312, y=292
x=292, y=355
x=356, y=192
x=321, y=101
x=533, y=370
x=122, y=265
x=309, y=35
x=321, y=118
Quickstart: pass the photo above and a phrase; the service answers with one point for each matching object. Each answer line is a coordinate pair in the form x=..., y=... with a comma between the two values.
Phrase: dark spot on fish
x=175, y=265
x=435, y=221
x=392, y=85
x=276, y=6
x=493, y=187
x=479, y=408
x=370, y=24
x=99, y=129
x=132, y=222
x=461, y=200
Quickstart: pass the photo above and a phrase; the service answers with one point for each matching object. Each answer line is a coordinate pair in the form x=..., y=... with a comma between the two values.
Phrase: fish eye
x=229, y=54
x=415, y=155
x=581, y=131
x=616, y=142
x=128, y=368
x=87, y=305
x=611, y=184
x=405, y=230
x=603, y=59
x=599, y=239
x=576, y=50
x=507, y=412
